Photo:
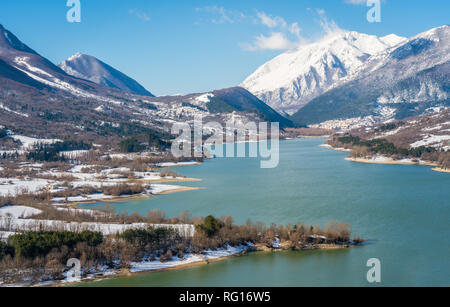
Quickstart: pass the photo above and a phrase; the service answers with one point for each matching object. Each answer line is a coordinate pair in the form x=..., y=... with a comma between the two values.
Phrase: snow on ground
x=23, y=61
x=12, y=111
x=79, y=210
x=174, y=164
x=29, y=142
x=155, y=189
x=19, y=211
x=161, y=188
x=4, y=235
x=65, y=86
x=85, y=176
x=110, y=176
x=347, y=124
x=85, y=198
x=13, y=186
x=431, y=140
x=388, y=133
x=427, y=129
x=73, y=153
x=188, y=259
x=17, y=224
x=205, y=98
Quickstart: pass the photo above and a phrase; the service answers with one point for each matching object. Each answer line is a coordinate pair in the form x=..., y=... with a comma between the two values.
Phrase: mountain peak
x=9, y=42
x=76, y=56
x=393, y=39
x=90, y=68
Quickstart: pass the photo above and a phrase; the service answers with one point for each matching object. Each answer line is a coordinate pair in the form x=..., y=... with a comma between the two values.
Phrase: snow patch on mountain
x=65, y=86
x=23, y=61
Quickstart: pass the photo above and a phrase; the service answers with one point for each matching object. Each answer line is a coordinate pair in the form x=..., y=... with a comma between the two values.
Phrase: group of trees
x=389, y=127
x=3, y=133
x=50, y=152
x=364, y=148
x=131, y=144
x=39, y=244
x=156, y=238
x=146, y=140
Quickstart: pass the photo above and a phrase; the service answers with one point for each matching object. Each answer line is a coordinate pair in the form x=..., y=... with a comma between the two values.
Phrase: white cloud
x=321, y=12
x=221, y=15
x=328, y=26
x=270, y=21
x=141, y=15
x=275, y=41
x=282, y=35
x=295, y=29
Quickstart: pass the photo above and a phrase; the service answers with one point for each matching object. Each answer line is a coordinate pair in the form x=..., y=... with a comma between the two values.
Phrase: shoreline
x=166, y=180
x=178, y=164
x=127, y=273
x=441, y=170
x=133, y=197
x=259, y=248
x=182, y=189
x=142, y=196
x=388, y=161
x=334, y=148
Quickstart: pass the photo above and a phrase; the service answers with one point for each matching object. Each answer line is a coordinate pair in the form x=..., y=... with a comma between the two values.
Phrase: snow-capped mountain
x=39, y=98
x=90, y=68
x=294, y=78
x=26, y=66
x=408, y=80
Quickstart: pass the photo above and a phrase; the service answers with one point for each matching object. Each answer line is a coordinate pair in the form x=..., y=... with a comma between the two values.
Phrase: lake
x=403, y=212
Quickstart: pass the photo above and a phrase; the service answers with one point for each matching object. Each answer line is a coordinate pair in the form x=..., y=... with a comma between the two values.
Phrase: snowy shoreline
x=146, y=267
x=388, y=161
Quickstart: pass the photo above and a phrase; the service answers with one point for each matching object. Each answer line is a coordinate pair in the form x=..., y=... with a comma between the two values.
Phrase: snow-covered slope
x=430, y=130
x=90, y=68
x=294, y=78
x=409, y=79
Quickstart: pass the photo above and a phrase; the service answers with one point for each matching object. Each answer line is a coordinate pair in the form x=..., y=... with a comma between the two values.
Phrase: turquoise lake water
x=403, y=212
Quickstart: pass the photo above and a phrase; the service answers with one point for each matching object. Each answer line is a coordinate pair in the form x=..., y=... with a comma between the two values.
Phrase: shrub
x=40, y=243
x=124, y=189
x=210, y=226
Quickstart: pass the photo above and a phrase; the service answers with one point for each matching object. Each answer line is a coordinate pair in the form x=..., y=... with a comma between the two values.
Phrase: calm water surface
x=403, y=211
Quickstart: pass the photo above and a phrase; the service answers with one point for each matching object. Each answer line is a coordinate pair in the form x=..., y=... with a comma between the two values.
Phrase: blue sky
x=190, y=46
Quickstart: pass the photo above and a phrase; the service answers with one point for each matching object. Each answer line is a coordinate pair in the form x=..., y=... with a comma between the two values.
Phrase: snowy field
x=9, y=224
